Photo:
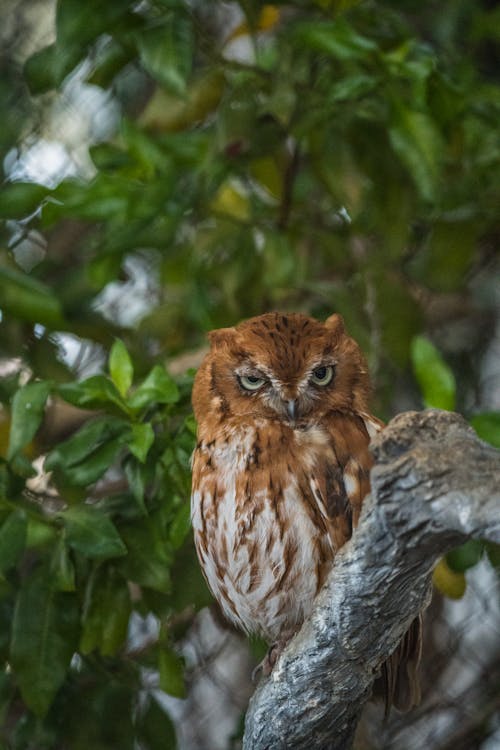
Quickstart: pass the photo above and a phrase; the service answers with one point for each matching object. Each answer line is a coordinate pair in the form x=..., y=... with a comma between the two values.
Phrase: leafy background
x=171, y=167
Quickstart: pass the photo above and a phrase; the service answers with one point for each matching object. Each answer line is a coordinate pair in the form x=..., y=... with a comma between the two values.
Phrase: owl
x=280, y=470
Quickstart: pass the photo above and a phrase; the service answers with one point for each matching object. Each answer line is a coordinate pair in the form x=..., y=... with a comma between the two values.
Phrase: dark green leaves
x=94, y=393
x=433, y=375
x=77, y=26
x=418, y=143
x=166, y=52
x=106, y=614
x=99, y=391
x=171, y=670
x=487, y=426
x=157, y=728
x=141, y=441
x=19, y=199
x=44, y=637
x=84, y=457
x=28, y=299
x=12, y=539
x=337, y=39
x=28, y=407
x=90, y=532
x=42, y=70
x=148, y=561
x=466, y=556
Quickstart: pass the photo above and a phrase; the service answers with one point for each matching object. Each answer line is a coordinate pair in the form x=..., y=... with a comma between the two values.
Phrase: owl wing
x=347, y=471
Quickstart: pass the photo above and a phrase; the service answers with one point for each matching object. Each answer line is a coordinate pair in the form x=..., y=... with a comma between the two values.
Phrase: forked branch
x=434, y=485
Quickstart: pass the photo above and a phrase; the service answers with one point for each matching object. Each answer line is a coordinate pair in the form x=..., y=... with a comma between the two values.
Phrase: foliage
x=346, y=161
x=438, y=388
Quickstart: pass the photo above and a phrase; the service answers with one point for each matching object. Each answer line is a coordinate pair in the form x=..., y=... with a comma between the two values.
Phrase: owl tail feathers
x=400, y=683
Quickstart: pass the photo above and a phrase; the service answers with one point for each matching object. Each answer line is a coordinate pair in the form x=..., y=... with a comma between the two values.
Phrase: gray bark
x=434, y=485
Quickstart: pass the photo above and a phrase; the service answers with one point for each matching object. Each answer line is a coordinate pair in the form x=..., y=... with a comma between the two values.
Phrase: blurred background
x=172, y=166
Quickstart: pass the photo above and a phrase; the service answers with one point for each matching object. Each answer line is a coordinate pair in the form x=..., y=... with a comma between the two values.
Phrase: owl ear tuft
x=335, y=323
x=221, y=336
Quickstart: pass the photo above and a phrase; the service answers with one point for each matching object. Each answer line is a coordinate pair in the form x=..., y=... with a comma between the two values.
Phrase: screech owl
x=280, y=471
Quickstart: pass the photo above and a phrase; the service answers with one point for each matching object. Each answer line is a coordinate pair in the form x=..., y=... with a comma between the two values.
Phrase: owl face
x=283, y=366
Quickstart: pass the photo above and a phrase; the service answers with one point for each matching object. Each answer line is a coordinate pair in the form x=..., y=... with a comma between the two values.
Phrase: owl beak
x=291, y=408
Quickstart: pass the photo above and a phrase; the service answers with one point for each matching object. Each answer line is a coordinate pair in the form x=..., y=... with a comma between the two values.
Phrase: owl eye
x=322, y=375
x=251, y=382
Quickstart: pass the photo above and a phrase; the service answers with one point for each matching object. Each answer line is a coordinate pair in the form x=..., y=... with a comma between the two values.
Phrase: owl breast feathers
x=281, y=466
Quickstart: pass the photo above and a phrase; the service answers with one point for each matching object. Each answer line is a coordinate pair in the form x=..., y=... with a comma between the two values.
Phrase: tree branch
x=434, y=485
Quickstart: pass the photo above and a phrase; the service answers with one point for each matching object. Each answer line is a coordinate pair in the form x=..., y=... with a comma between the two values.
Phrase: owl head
x=284, y=366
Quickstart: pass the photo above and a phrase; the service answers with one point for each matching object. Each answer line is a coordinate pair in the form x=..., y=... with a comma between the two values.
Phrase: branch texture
x=434, y=485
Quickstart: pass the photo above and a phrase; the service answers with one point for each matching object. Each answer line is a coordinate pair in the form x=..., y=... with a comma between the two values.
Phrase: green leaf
x=106, y=615
x=44, y=637
x=399, y=317
x=435, y=378
x=109, y=60
x=40, y=534
x=142, y=439
x=12, y=539
x=77, y=25
x=21, y=466
x=93, y=393
x=106, y=197
x=85, y=457
x=493, y=552
x=41, y=70
x=148, y=562
x=93, y=434
x=20, y=199
x=157, y=388
x=28, y=299
x=487, y=426
x=445, y=271
x=121, y=368
x=466, y=556
x=420, y=147
x=337, y=39
x=28, y=406
x=143, y=148
x=62, y=568
x=156, y=728
x=108, y=156
x=191, y=424
x=352, y=87
x=166, y=52
x=96, y=464
x=180, y=526
x=134, y=472
x=90, y=531
x=171, y=670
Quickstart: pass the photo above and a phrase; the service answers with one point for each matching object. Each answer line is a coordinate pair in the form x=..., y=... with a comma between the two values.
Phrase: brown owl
x=280, y=471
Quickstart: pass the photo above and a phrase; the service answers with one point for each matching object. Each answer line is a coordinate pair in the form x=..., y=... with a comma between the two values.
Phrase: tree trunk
x=434, y=485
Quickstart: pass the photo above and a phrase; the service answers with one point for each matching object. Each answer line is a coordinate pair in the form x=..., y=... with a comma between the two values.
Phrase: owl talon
x=265, y=667
x=258, y=671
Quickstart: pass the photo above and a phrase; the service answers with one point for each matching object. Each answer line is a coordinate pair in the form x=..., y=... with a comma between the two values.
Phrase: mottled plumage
x=281, y=466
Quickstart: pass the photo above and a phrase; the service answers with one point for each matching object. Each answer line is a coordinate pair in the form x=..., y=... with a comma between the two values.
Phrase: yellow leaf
x=4, y=432
x=231, y=201
x=268, y=18
x=165, y=112
x=267, y=173
x=447, y=581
